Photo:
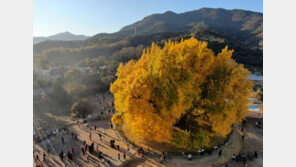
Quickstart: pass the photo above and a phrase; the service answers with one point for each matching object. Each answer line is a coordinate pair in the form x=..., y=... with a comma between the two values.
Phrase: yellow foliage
x=153, y=93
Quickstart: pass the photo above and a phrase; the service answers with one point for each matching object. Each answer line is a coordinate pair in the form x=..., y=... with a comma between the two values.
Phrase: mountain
x=240, y=23
x=64, y=36
x=241, y=30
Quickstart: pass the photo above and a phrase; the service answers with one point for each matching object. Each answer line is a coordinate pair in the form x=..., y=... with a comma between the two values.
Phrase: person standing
x=220, y=152
x=100, y=135
x=90, y=136
x=189, y=157
x=73, y=150
x=255, y=154
x=124, y=156
x=63, y=141
x=243, y=137
x=97, y=147
x=119, y=156
x=128, y=150
x=164, y=157
x=244, y=160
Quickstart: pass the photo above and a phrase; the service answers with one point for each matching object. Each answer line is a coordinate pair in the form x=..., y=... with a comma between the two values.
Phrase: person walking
x=87, y=158
x=37, y=158
x=124, y=156
x=69, y=155
x=100, y=135
x=62, y=155
x=97, y=147
x=63, y=141
x=73, y=150
x=119, y=156
x=220, y=152
x=90, y=136
x=163, y=157
x=44, y=157
x=85, y=147
x=243, y=137
x=82, y=150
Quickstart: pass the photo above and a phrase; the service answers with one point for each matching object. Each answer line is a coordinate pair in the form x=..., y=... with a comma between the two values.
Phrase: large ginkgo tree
x=181, y=89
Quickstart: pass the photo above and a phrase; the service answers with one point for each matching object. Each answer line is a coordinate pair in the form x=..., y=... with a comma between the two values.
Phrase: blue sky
x=89, y=17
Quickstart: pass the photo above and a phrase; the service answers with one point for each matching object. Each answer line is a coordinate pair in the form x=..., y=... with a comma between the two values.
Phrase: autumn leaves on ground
x=181, y=96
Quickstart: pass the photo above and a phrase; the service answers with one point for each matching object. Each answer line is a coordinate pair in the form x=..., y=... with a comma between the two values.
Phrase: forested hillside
x=240, y=30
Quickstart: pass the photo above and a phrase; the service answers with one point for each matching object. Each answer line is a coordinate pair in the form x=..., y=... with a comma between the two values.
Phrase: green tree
x=59, y=93
x=76, y=90
x=74, y=75
x=81, y=108
x=43, y=64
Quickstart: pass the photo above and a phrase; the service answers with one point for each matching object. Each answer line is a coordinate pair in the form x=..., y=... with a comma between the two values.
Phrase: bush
x=183, y=139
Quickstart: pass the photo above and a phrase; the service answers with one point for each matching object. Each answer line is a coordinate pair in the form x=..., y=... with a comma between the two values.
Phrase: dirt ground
x=55, y=144
x=253, y=141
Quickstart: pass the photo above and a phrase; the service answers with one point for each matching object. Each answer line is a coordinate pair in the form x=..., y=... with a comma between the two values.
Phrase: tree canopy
x=182, y=88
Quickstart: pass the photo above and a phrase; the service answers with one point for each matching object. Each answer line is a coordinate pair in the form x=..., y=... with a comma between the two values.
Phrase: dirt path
x=82, y=132
x=253, y=141
x=232, y=146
